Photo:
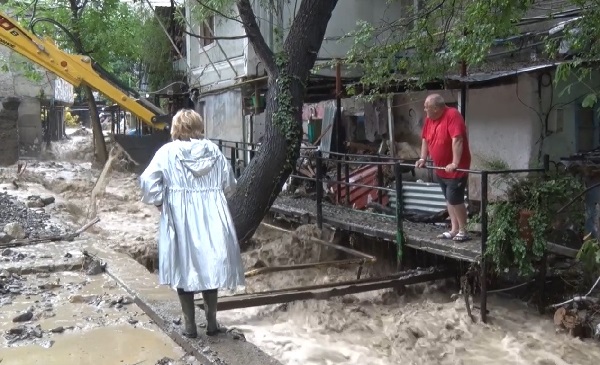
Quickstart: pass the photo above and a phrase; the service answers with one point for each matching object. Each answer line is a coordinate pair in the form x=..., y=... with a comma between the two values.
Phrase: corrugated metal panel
x=421, y=197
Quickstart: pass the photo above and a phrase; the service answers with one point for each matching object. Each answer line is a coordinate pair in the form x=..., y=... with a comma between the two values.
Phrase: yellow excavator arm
x=75, y=69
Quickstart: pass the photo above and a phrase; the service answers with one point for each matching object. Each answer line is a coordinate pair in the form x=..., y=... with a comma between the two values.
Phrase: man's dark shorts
x=454, y=189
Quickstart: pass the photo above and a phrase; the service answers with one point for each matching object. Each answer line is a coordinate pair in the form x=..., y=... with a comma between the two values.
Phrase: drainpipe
x=391, y=129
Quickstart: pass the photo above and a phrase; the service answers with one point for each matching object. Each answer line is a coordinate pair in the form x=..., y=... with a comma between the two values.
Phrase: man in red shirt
x=445, y=140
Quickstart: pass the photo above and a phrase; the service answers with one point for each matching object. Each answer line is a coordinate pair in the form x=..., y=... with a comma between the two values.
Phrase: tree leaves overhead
x=110, y=30
x=431, y=42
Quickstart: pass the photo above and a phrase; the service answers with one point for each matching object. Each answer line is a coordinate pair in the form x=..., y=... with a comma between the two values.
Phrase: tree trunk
x=100, y=152
x=100, y=145
x=288, y=72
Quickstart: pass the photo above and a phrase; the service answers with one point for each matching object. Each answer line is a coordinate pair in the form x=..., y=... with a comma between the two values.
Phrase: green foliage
x=433, y=41
x=589, y=257
x=119, y=36
x=512, y=243
x=283, y=116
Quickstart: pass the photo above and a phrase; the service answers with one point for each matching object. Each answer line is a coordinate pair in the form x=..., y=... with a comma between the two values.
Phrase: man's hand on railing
x=420, y=163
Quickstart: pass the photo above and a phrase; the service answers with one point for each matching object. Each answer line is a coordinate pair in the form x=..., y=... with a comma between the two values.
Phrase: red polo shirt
x=439, y=133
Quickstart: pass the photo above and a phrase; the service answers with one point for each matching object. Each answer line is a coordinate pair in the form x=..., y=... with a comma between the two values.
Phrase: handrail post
x=399, y=215
x=347, y=179
x=338, y=173
x=233, y=160
x=220, y=143
x=319, y=183
x=484, y=236
x=380, y=182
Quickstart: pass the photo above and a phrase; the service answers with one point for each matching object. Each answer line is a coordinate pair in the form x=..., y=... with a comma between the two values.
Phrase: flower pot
x=525, y=231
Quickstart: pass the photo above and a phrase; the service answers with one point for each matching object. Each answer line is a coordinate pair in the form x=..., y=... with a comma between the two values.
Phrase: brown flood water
x=424, y=326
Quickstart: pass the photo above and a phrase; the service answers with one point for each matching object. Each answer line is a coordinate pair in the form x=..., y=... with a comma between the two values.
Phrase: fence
x=344, y=161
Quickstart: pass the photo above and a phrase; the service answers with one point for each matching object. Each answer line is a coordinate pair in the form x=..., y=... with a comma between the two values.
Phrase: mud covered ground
x=424, y=324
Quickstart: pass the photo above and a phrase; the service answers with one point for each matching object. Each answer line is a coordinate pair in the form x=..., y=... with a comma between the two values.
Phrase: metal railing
x=344, y=161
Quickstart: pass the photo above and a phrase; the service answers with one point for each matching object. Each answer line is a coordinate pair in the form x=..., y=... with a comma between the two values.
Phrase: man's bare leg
x=453, y=219
x=460, y=215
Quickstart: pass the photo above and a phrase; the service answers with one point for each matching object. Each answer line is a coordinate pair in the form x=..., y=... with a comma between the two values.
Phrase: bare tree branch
x=215, y=38
x=255, y=36
x=220, y=13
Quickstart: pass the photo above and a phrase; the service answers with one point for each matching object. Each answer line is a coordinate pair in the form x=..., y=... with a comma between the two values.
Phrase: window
x=207, y=29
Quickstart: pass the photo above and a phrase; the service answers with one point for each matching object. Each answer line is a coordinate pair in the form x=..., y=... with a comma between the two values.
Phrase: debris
x=33, y=223
x=55, y=238
x=14, y=229
x=569, y=320
x=92, y=265
x=5, y=238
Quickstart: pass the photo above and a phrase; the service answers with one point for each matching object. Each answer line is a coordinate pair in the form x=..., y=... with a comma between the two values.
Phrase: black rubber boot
x=210, y=309
x=189, y=313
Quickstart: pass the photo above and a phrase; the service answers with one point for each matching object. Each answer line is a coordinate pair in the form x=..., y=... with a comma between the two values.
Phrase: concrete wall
x=209, y=64
x=223, y=116
x=563, y=119
x=9, y=133
x=30, y=126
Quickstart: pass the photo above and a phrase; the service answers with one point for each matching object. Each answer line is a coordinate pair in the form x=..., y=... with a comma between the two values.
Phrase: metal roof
x=480, y=77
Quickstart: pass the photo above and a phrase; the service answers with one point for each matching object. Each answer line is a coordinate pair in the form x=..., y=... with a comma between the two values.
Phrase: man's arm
x=457, y=149
x=458, y=131
x=424, y=150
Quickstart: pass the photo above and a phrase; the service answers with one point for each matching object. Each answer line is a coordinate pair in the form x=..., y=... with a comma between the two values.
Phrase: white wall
x=223, y=116
x=212, y=76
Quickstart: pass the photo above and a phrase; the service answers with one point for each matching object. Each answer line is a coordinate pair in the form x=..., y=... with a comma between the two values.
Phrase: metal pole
x=338, y=173
x=347, y=180
x=338, y=104
x=484, y=236
x=319, y=183
x=399, y=215
x=379, y=183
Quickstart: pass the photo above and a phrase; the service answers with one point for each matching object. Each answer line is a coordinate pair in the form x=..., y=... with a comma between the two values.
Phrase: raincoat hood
x=199, y=156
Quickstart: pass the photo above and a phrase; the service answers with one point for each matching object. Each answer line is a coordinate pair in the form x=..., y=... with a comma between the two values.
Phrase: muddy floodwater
x=76, y=319
x=422, y=325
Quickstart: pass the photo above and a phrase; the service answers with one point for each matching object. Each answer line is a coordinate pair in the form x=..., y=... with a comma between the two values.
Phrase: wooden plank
x=326, y=291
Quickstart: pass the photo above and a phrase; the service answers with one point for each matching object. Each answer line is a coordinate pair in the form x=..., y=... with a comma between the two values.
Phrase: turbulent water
x=421, y=326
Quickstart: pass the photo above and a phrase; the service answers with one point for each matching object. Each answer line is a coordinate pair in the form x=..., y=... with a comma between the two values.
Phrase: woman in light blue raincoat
x=197, y=245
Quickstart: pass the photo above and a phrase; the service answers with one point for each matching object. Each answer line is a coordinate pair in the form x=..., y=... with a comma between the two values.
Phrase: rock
x=5, y=238
x=8, y=252
x=132, y=321
x=15, y=230
x=34, y=202
x=17, y=330
x=59, y=329
x=23, y=317
x=78, y=298
x=48, y=200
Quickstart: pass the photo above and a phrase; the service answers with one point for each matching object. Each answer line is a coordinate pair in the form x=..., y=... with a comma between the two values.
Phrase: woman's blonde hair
x=186, y=125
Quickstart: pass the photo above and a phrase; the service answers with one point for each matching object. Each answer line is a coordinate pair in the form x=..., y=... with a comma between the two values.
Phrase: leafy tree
x=435, y=40
x=288, y=67
x=107, y=30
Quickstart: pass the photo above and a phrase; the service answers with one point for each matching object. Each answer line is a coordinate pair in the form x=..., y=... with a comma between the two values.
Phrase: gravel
x=35, y=221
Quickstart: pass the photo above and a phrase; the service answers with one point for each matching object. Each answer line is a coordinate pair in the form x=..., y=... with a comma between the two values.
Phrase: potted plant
x=519, y=224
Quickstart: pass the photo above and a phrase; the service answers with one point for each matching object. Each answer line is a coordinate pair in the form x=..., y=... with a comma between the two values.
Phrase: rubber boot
x=189, y=313
x=210, y=309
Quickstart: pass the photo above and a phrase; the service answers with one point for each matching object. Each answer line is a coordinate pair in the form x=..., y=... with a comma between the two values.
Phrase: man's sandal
x=446, y=235
x=461, y=237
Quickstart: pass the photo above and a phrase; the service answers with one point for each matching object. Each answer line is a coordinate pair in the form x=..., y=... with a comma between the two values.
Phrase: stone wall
x=9, y=132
